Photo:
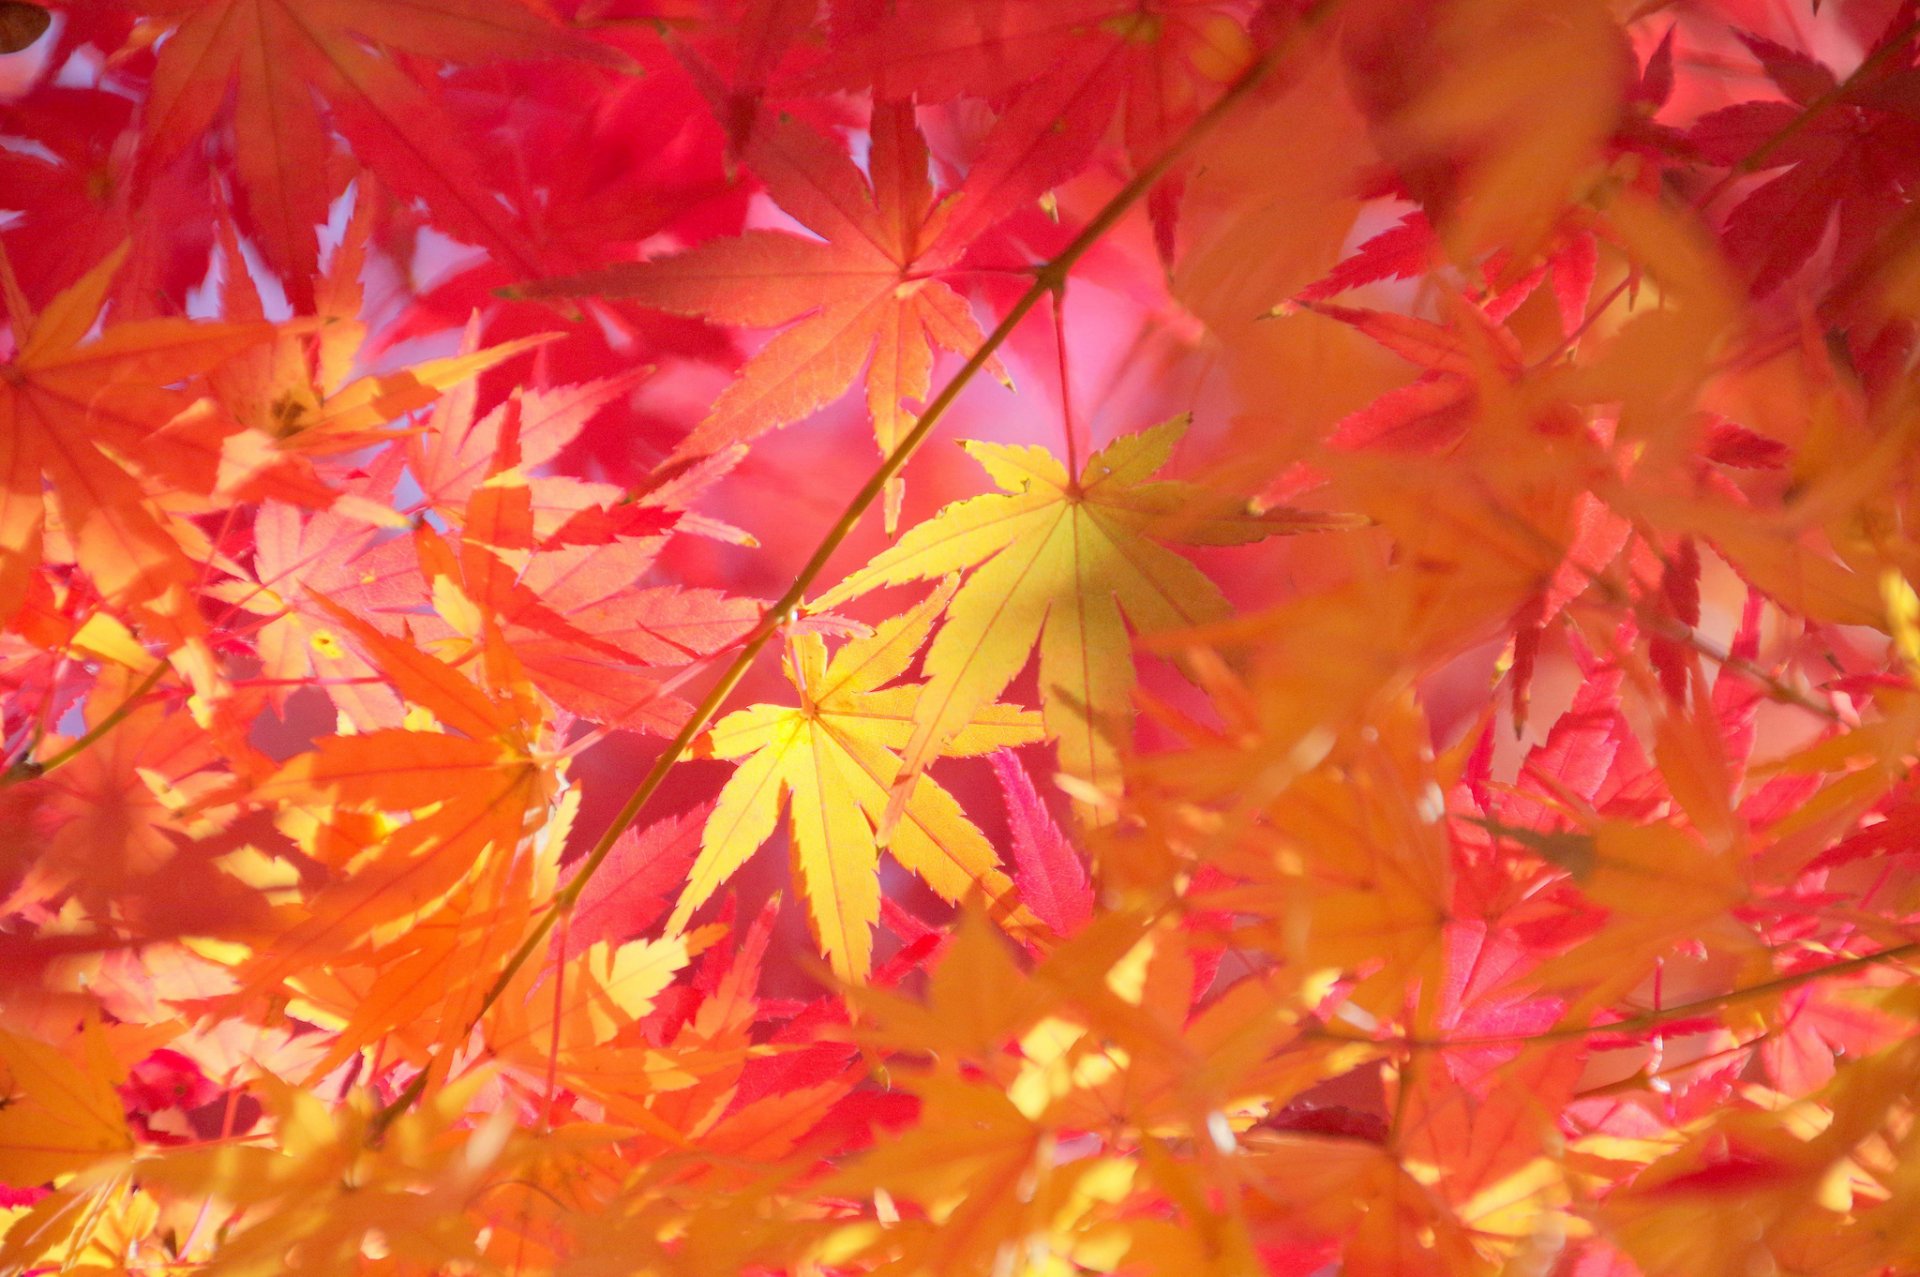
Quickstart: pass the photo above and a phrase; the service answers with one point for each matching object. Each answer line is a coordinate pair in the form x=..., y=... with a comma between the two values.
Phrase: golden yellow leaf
x=55, y=1118
x=1056, y=561
x=831, y=760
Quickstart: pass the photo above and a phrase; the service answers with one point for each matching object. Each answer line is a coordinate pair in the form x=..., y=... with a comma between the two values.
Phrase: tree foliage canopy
x=1318, y=594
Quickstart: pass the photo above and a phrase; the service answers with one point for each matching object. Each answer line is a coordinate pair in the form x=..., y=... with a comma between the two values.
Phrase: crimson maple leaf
x=1068, y=65
x=1850, y=152
x=272, y=54
x=71, y=183
x=871, y=289
x=1412, y=246
x=574, y=615
x=1046, y=869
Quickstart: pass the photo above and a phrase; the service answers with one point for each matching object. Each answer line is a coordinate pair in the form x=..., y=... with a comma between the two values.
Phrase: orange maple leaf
x=471, y=793
x=89, y=417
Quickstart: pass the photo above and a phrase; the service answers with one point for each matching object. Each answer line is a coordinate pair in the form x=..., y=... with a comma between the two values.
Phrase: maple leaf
x=1774, y=1164
x=408, y=1188
x=1848, y=151
x=1659, y=885
x=296, y=562
x=592, y=587
x=453, y=455
x=1457, y=361
x=1058, y=560
x=474, y=789
x=1412, y=247
x=56, y=1117
x=1068, y=65
x=625, y=158
x=1047, y=870
x=1091, y=1038
x=633, y=887
x=72, y=183
x=299, y=391
x=608, y=990
x=572, y=614
x=113, y=834
x=832, y=758
x=271, y=55
x=1491, y=1149
x=1358, y=876
x=973, y=1165
x=696, y=1085
x=868, y=296
x=88, y=416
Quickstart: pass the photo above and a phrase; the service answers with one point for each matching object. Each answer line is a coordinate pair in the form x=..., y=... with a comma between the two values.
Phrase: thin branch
x=1636, y=1023
x=27, y=769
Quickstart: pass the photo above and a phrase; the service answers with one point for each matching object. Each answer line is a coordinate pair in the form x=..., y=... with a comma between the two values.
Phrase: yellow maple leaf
x=344, y=1183
x=834, y=756
x=55, y=1118
x=1056, y=561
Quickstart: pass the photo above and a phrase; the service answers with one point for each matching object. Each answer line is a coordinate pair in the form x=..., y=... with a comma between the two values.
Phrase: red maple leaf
x=1067, y=65
x=271, y=55
x=1850, y=152
x=73, y=186
x=869, y=295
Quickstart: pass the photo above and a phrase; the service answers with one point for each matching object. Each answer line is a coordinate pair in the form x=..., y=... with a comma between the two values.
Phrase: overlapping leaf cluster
x=1390, y=752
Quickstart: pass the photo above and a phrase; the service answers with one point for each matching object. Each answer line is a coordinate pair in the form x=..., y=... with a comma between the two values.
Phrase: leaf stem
x=1066, y=384
x=1048, y=279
